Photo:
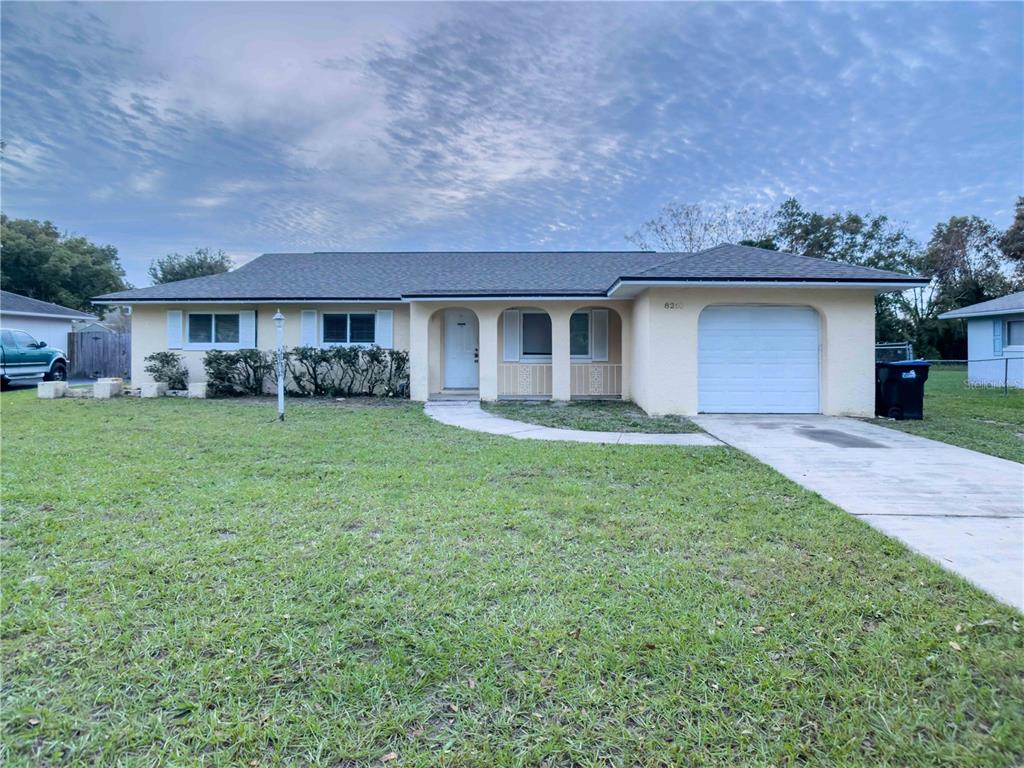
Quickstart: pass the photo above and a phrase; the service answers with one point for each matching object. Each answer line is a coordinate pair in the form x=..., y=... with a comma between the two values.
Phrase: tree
x=852, y=238
x=692, y=227
x=1012, y=241
x=963, y=257
x=41, y=262
x=177, y=266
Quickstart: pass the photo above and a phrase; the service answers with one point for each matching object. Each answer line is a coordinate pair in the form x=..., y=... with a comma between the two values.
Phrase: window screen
x=335, y=329
x=200, y=329
x=225, y=329
x=536, y=334
x=579, y=334
x=361, y=327
x=1015, y=333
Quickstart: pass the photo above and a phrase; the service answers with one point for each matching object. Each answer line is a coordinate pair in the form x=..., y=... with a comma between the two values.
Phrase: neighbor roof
x=16, y=304
x=396, y=276
x=1005, y=305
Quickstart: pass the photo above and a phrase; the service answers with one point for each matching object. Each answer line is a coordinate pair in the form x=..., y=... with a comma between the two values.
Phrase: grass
x=191, y=583
x=980, y=418
x=590, y=415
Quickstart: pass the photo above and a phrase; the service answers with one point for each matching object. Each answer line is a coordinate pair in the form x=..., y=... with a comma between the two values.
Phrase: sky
x=255, y=127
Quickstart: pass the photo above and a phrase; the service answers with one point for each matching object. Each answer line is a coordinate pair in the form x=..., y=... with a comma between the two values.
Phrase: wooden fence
x=93, y=354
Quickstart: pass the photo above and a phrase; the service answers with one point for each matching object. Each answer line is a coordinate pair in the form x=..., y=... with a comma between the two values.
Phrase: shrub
x=348, y=371
x=169, y=368
x=231, y=374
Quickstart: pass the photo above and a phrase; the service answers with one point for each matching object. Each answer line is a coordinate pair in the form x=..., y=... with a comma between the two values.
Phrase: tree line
x=967, y=258
x=40, y=261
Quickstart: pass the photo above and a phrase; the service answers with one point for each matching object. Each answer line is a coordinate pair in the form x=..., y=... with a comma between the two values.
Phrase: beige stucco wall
x=149, y=329
x=665, y=344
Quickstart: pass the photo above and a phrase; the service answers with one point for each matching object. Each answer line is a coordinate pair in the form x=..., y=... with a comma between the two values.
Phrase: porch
x=541, y=351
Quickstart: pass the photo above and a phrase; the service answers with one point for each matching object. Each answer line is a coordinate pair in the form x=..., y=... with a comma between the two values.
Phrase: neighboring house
x=41, y=319
x=729, y=329
x=91, y=326
x=995, y=340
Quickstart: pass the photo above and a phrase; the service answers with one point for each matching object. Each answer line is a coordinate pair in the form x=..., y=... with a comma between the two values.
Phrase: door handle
x=476, y=355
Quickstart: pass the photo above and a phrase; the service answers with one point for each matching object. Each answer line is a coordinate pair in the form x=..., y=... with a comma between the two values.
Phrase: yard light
x=279, y=322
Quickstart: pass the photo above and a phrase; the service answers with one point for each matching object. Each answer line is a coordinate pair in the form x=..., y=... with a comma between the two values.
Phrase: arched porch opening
x=595, y=349
x=453, y=346
x=524, y=354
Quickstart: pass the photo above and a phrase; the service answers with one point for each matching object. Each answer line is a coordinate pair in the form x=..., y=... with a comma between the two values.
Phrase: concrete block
x=104, y=389
x=51, y=390
x=153, y=389
x=197, y=390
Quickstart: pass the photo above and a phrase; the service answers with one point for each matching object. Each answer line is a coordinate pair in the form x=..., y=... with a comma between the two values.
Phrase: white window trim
x=348, y=330
x=225, y=346
x=528, y=358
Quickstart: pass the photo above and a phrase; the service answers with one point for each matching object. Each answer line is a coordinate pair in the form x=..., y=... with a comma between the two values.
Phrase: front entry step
x=455, y=395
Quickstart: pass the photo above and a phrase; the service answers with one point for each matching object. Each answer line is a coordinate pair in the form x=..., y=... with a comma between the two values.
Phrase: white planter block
x=51, y=390
x=104, y=389
x=153, y=389
x=197, y=390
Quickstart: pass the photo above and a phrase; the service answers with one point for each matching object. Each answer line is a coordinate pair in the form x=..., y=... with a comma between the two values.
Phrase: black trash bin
x=899, y=389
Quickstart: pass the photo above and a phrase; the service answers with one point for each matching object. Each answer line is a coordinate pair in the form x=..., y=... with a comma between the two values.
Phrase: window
x=579, y=334
x=23, y=340
x=1015, y=333
x=536, y=334
x=208, y=328
x=349, y=327
x=8, y=338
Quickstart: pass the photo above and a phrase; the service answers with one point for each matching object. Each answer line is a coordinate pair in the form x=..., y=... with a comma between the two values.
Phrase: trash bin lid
x=924, y=363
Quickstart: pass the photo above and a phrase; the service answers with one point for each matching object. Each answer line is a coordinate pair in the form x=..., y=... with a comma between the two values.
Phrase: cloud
x=267, y=126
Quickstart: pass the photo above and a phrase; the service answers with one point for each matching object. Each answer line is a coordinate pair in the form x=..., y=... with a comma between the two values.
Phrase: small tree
x=199, y=263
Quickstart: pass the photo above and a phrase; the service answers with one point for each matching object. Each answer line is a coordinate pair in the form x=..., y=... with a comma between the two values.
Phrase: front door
x=460, y=350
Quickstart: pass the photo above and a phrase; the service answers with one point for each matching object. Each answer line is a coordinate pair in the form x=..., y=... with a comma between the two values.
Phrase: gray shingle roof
x=1004, y=305
x=15, y=302
x=392, y=276
x=745, y=263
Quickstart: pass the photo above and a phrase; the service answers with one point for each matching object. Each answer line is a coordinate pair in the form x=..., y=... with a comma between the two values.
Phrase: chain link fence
x=1003, y=372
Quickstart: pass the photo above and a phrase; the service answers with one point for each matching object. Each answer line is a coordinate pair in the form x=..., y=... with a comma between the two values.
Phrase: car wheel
x=59, y=372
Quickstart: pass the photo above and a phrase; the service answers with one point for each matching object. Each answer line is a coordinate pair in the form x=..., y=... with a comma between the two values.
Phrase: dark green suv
x=22, y=358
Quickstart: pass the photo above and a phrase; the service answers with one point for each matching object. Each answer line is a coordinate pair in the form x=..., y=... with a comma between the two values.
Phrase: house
x=728, y=329
x=995, y=340
x=40, y=319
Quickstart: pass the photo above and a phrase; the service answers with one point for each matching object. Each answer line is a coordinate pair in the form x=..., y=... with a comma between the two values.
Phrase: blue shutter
x=247, y=329
x=599, y=335
x=383, y=334
x=174, y=334
x=997, y=337
x=307, y=328
x=511, y=334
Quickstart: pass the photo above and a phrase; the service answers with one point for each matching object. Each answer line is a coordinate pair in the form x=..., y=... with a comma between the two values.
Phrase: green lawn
x=980, y=418
x=191, y=583
x=591, y=415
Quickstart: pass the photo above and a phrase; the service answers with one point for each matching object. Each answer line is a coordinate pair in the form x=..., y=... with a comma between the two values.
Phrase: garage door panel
x=758, y=360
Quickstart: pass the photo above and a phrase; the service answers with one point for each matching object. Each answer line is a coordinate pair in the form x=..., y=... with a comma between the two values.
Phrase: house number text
x=673, y=305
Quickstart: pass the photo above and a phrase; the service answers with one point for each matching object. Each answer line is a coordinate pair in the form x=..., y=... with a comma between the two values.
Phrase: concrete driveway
x=963, y=509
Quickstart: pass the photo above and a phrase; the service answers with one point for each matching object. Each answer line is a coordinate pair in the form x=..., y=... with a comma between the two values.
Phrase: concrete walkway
x=963, y=509
x=469, y=415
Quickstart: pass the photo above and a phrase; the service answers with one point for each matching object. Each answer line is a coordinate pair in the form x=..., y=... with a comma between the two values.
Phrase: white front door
x=461, y=370
x=758, y=359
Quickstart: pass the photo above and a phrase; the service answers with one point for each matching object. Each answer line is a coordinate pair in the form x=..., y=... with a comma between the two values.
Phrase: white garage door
x=758, y=360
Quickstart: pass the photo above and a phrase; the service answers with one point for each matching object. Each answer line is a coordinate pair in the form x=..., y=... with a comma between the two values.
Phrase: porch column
x=626, y=345
x=419, y=344
x=561, y=373
x=488, y=346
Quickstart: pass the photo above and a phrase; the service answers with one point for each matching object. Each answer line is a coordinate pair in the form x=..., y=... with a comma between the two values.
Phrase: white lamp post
x=279, y=322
